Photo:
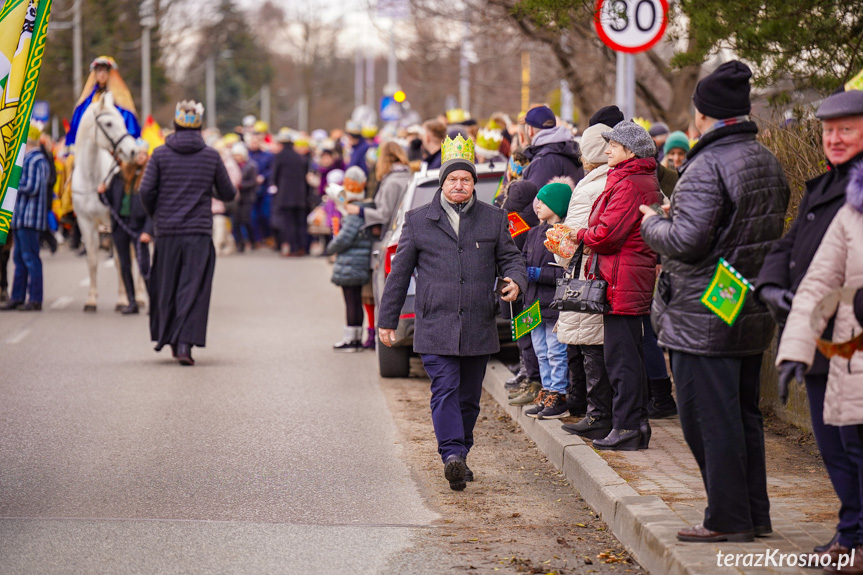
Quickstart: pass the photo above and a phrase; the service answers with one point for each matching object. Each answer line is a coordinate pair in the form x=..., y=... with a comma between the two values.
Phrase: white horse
x=101, y=137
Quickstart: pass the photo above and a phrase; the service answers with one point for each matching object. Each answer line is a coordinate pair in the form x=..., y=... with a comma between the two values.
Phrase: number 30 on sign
x=631, y=25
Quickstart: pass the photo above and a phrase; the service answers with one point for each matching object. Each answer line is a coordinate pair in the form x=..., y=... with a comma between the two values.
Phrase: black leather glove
x=778, y=302
x=789, y=370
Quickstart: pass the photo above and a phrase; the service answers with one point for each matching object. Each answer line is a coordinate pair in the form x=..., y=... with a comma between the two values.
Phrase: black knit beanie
x=724, y=93
x=609, y=115
x=456, y=164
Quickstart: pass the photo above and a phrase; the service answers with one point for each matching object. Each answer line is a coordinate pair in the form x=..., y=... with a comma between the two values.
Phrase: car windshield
x=486, y=187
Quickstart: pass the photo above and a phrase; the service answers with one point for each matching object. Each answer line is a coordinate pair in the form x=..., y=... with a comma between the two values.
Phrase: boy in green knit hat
x=542, y=272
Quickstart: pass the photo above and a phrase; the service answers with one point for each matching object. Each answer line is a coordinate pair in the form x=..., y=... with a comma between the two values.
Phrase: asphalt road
x=272, y=455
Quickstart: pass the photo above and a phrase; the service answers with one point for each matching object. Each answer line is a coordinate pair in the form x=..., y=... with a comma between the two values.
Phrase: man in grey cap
x=729, y=203
x=842, y=126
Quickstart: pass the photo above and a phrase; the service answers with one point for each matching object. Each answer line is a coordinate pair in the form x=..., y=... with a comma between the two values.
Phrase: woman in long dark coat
x=180, y=180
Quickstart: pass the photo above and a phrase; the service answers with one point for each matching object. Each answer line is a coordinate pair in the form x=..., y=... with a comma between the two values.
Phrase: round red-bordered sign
x=631, y=26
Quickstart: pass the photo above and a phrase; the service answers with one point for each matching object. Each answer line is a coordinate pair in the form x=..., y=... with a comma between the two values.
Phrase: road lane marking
x=62, y=302
x=18, y=337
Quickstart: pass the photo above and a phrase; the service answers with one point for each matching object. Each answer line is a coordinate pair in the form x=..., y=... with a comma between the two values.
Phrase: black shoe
x=11, y=304
x=828, y=545
x=468, y=474
x=763, y=530
x=646, y=432
x=661, y=410
x=515, y=380
x=454, y=471
x=619, y=440
x=4, y=295
x=131, y=309
x=589, y=428
x=184, y=354
x=31, y=306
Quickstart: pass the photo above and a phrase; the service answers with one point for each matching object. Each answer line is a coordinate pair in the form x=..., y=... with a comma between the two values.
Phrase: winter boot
x=661, y=403
x=351, y=341
x=539, y=404
x=533, y=389
x=370, y=340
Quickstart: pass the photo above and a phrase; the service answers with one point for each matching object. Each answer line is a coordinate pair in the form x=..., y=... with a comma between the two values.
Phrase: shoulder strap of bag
x=575, y=262
x=591, y=271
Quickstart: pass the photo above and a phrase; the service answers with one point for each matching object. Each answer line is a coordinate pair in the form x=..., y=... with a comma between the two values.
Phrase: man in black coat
x=458, y=246
x=177, y=189
x=291, y=202
x=553, y=151
x=783, y=270
x=729, y=203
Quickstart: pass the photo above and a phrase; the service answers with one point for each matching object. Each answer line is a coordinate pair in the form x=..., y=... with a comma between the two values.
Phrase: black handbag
x=583, y=296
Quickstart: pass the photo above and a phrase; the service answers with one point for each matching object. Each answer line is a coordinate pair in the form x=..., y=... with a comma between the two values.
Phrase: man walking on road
x=177, y=189
x=729, y=203
x=456, y=244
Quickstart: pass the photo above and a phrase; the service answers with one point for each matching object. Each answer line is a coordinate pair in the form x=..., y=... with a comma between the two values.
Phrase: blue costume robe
x=132, y=125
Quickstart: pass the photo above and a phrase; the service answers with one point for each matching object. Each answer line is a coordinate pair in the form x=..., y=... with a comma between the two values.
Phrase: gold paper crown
x=489, y=140
x=457, y=149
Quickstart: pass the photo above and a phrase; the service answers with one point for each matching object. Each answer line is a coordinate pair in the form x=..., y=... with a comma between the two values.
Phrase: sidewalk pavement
x=646, y=496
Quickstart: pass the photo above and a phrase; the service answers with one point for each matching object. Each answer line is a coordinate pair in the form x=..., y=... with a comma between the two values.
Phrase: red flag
x=517, y=225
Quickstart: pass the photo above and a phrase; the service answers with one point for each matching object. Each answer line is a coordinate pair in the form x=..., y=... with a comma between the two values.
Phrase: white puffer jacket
x=580, y=328
x=838, y=263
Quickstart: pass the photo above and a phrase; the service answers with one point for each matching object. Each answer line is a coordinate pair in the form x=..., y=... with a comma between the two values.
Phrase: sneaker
x=370, y=340
x=539, y=404
x=522, y=387
x=528, y=396
x=31, y=306
x=554, y=406
x=516, y=380
x=351, y=342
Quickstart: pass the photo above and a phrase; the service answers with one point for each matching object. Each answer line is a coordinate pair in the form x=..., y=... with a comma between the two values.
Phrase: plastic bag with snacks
x=559, y=242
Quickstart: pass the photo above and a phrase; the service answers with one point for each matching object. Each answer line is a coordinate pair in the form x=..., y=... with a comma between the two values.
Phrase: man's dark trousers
x=28, y=266
x=717, y=398
x=456, y=387
x=843, y=471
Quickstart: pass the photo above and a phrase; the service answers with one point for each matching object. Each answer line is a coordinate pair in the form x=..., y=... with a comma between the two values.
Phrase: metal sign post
x=629, y=27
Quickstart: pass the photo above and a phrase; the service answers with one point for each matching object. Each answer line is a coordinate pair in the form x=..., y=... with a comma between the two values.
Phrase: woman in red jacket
x=629, y=267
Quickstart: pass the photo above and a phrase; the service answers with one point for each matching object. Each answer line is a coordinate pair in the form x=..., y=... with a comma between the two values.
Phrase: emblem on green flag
x=726, y=293
x=526, y=321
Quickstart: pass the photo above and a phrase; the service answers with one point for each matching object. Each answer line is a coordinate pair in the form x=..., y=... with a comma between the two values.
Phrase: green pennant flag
x=526, y=321
x=23, y=30
x=726, y=293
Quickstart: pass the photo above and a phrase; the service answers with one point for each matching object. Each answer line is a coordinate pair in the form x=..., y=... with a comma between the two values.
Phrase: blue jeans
x=456, y=387
x=551, y=354
x=28, y=266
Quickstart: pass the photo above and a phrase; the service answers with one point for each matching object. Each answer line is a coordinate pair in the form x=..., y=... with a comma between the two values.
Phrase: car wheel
x=393, y=361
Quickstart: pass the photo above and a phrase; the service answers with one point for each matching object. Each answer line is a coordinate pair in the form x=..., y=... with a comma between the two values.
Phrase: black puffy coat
x=536, y=255
x=787, y=262
x=729, y=203
x=553, y=153
x=353, y=246
x=179, y=183
x=138, y=220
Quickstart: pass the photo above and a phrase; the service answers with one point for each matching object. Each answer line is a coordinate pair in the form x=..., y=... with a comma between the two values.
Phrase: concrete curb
x=645, y=525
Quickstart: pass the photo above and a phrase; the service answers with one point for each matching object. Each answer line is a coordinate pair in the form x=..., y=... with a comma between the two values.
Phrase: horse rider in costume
x=104, y=77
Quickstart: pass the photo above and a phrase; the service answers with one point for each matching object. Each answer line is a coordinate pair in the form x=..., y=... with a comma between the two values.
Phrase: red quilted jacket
x=614, y=232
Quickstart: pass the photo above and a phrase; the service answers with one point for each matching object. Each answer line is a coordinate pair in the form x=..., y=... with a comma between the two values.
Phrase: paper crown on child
x=189, y=114
x=103, y=61
x=458, y=149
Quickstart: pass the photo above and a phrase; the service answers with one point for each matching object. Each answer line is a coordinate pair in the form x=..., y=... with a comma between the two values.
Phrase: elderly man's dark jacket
x=455, y=302
x=787, y=262
x=729, y=203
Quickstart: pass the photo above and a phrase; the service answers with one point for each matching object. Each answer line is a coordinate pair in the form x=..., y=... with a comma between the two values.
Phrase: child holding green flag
x=542, y=274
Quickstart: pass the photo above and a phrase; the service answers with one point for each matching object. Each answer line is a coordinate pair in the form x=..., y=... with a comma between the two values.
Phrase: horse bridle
x=114, y=144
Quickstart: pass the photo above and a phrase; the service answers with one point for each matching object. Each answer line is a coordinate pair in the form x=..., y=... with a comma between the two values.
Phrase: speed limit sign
x=631, y=25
